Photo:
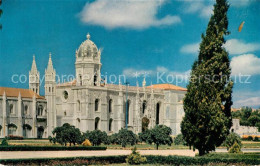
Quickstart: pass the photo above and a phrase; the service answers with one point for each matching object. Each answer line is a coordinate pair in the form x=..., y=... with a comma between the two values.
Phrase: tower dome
x=88, y=64
x=88, y=49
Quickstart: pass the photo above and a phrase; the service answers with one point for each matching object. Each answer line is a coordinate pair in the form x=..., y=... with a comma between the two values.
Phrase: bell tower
x=50, y=91
x=34, y=78
x=88, y=64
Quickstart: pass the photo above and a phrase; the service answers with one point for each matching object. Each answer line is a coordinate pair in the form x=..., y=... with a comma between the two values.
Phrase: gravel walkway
x=54, y=154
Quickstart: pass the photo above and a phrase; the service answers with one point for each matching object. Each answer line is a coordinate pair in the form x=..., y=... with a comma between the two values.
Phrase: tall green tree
x=208, y=101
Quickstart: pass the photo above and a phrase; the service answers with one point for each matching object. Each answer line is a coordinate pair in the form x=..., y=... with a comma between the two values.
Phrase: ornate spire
x=88, y=36
x=144, y=82
x=50, y=65
x=34, y=67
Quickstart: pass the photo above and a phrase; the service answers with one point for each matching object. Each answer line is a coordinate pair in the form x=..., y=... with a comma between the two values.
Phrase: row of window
x=26, y=110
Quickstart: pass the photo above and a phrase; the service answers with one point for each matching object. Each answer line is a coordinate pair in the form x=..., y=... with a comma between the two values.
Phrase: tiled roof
x=167, y=87
x=71, y=83
x=14, y=92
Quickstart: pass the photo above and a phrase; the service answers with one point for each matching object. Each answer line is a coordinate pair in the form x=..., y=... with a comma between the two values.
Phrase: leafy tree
x=96, y=137
x=253, y=120
x=67, y=134
x=113, y=139
x=178, y=140
x=231, y=139
x=126, y=137
x=208, y=101
x=159, y=135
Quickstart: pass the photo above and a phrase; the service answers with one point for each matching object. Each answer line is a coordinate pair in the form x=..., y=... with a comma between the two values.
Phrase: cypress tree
x=208, y=101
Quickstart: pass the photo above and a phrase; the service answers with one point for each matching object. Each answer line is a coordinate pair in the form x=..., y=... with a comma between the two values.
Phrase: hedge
x=161, y=160
x=65, y=161
x=182, y=160
x=49, y=148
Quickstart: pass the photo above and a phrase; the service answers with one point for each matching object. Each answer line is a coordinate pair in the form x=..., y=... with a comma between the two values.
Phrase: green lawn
x=41, y=142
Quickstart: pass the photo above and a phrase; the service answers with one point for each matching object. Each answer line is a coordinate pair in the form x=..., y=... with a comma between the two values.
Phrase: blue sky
x=134, y=36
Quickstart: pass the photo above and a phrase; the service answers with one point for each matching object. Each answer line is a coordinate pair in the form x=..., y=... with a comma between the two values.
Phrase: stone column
x=20, y=123
x=137, y=120
x=34, y=109
x=4, y=124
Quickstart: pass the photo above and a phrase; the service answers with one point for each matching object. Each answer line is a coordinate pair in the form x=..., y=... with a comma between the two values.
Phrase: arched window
x=40, y=110
x=79, y=106
x=11, y=108
x=110, y=102
x=36, y=90
x=144, y=106
x=97, y=123
x=95, y=80
x=110, y=124
x=157, y=113
x=127, y=110
x=65, y=95
x=49, y=89
x=80, y=80
x=25, y=109
x=96, y=104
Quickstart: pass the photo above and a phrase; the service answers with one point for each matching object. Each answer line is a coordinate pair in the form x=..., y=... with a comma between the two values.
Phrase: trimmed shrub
x=96, y=137
x=231, y=139
x=49, y=148
x=135, y=158
x=178, y=140
x=86, y=143
x=158, y=160
x=4, y=142
x=236, y=148
x=126, y=137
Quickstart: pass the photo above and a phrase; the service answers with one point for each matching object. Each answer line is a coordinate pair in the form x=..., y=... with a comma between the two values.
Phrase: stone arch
x=97, y=123
x=96, y=104
x=144, y=106
x=110, y=105
x=127, y=110
x=110, y=125
x=11, y=108
x=157, y=113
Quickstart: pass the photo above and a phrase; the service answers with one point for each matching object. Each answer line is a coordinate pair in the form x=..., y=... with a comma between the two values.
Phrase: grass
x=41, y=142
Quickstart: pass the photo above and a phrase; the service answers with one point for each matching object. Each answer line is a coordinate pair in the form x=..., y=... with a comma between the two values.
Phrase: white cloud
x=240, y=3
x=190, y=48
x=235, y=46
x=206, y=11
x=251, y=102
x=125, y=13
x=247, y=64
x=199, y=6
x=246, y=98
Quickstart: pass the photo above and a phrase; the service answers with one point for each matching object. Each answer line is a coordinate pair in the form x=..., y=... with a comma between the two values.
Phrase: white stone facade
x=90, y=103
